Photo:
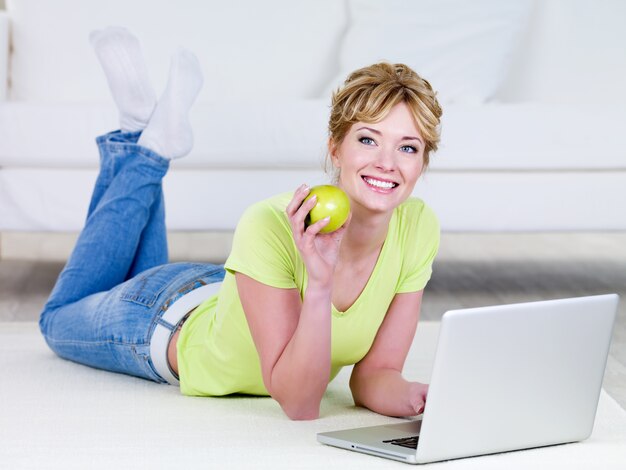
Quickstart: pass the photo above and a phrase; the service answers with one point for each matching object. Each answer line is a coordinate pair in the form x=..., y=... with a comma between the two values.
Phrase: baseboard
x=212, y=247
x=215, y=246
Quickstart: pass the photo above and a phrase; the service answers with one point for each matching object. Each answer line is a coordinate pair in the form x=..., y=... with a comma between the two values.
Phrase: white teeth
x=379, y=184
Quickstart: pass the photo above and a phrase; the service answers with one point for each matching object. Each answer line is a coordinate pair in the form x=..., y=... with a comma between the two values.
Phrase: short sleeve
x=263, y=246
x=421, y=244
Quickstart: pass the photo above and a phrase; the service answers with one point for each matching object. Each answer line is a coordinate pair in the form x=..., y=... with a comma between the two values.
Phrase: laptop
x=504, y=378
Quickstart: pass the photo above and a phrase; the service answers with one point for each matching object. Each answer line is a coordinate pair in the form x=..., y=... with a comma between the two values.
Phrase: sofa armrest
x=4, y=54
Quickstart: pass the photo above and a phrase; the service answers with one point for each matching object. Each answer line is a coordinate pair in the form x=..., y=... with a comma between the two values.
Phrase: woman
x=293, y=305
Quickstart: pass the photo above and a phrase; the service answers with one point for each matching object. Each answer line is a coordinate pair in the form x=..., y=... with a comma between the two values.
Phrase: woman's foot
x=119, y=53
x=169, y=131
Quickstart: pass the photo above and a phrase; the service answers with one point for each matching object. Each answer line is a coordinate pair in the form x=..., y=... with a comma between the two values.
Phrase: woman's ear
x=332, y=151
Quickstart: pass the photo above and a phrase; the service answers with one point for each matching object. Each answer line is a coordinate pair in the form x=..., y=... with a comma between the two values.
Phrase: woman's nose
x=386, y=160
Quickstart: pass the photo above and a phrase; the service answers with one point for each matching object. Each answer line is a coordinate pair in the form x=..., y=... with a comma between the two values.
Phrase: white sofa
x=533, y=94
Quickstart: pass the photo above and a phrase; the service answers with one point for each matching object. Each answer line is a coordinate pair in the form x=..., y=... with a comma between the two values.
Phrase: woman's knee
x=44, y=320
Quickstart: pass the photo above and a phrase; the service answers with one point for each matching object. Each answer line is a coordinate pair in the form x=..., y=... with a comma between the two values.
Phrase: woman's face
x=380, y=162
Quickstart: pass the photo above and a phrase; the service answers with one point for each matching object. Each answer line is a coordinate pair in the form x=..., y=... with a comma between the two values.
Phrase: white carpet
x=56, y=414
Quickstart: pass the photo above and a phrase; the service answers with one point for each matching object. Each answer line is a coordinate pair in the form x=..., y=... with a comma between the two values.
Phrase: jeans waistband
x=169, y=322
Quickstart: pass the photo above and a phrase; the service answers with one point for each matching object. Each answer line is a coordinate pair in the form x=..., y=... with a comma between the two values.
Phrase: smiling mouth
x=379, y=184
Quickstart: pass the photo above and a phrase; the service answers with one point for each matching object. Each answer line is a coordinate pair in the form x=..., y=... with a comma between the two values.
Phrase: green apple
x=331, y=202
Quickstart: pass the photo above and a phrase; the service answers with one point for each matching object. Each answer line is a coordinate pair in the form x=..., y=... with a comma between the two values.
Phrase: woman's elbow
x=302, y=414
x=299, y=404
x=299, y=410
x=358, y=385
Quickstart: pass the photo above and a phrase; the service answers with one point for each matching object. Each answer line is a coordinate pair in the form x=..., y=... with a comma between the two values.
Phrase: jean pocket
x=145, y=288
x=175, y=279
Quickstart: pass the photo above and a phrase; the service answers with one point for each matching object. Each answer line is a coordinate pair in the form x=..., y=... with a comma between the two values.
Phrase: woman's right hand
x=319, y=251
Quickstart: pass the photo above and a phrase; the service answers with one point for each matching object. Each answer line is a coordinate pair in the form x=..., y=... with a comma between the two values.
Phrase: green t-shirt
x=216, y=353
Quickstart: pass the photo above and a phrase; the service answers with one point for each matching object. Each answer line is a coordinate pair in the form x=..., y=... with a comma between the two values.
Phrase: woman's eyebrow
x=370, y=129
x=408, y=137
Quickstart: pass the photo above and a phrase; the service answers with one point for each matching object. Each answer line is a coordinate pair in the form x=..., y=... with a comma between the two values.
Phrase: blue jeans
x=117, y=283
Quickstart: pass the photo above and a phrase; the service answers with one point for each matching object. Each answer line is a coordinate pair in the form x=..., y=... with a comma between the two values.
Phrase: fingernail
x=305, y=187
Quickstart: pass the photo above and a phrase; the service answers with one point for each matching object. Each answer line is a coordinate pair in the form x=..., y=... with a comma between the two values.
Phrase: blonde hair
x=369, y=93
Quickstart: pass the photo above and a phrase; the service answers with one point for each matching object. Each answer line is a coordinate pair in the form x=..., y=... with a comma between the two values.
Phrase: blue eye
x=366, y=141
x=408, y=149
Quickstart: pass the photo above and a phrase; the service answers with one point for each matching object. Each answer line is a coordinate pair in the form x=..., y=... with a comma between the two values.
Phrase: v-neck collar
x=374, y=273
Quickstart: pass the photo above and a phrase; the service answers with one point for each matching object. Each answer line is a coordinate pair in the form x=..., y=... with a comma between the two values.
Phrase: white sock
x=169, y=131
x=119, y=53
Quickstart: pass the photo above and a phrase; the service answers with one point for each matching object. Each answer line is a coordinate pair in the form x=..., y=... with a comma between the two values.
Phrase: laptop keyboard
x=410, y=442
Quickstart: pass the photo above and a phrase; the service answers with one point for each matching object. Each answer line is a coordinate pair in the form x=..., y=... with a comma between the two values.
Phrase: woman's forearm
x=300, y=376
x=385, y=391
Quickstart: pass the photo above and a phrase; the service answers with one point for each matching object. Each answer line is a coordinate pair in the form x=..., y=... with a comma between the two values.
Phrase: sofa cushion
x=4, y=53
x=247, y=49
x=292, y=134
x=531, y=136
x=282, y=134
x=573, y=52
x=463, y=48
x=57, y=200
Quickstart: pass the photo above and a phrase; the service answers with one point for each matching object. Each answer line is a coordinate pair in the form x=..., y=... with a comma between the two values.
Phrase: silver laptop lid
x=537, y=381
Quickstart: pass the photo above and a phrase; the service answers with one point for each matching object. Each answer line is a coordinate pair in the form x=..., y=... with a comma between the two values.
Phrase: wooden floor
x=471, y=270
